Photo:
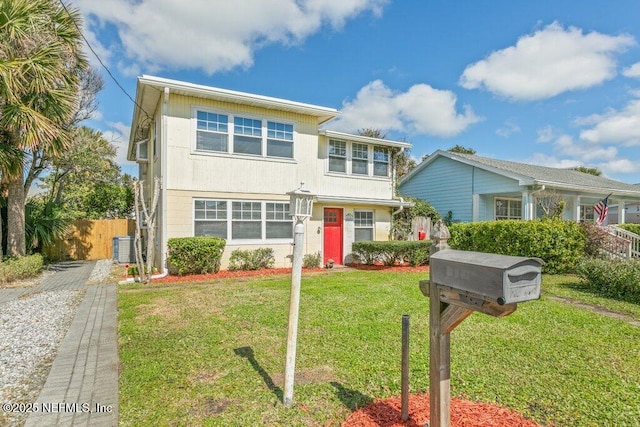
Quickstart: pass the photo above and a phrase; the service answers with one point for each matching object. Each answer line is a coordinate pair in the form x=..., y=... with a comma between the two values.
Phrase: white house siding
x=212, y=171
x=180, y=223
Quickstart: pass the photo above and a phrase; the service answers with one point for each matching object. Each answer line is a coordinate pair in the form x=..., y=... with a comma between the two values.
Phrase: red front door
x=333, y=235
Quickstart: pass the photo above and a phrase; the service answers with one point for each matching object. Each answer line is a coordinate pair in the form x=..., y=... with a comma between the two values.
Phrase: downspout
x=163, y=185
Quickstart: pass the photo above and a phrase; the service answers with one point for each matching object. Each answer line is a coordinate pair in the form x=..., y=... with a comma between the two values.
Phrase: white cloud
x=508, y=129
x=616, y=127
x=545, y=134
x=216, y=35
x=420, y=110
x=118, y=135
x=549, y=62
x=632, y=71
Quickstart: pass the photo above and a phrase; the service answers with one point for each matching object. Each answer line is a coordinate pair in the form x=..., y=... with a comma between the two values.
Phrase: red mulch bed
x=226, y=274
x=387, y=413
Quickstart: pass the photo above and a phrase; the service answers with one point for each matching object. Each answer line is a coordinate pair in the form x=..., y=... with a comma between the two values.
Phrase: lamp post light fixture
x=300, y=208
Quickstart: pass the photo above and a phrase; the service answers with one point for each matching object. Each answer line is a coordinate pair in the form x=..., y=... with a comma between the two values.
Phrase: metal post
x=296, y=276
x=405, y=367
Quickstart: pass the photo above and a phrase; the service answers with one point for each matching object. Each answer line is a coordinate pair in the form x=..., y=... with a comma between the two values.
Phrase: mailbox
x=497, y=278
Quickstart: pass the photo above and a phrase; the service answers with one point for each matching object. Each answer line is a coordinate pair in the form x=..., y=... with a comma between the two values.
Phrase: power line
x=100, y=60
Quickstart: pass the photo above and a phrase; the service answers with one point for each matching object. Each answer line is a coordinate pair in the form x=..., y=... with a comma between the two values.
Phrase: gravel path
x=31, y=330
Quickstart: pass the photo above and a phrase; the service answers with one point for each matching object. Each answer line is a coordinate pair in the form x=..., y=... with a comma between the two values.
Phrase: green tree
x=41, y=61
x=87, y=181
x=401, y=225
x=461, y=149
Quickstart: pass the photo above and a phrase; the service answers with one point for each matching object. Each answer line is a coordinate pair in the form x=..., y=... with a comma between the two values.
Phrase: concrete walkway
x=82, y=386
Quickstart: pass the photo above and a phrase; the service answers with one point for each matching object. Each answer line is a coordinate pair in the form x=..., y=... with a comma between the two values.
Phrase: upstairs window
x=279, y=140
x=337, y=156
x=380, y=161
x=212, y=132
x=359, y=159
x=247, y=138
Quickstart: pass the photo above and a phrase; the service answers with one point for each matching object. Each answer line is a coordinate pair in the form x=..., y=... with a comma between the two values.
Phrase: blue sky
x=554, y=83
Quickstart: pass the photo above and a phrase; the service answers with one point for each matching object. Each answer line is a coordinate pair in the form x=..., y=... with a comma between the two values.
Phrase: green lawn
x=213, y=353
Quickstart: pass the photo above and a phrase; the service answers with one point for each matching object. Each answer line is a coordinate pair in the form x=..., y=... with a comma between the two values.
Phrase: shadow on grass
x=247, y=352
x=352, y=399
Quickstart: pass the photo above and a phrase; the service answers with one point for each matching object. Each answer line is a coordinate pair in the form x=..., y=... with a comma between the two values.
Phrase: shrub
x=401, y=225
x=21, y=268
x=388, y=253
x=560, y=244
x=194, y=255
x=612, y=278
x=251, y=259
x=312, y=260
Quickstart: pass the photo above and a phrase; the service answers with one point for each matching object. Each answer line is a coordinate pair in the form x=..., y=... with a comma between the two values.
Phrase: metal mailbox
x=497, y=278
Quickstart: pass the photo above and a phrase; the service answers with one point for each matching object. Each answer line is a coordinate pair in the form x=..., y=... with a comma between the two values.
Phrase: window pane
x=337, y=164
x=381, y=154
x=360, y=151
x=211, y=228
x=211, y=141
x=359, y=167
x=363, y=234
x=280, y=131
x=247, y=145
x=250, y=127
x=279, y=230
x=277, y=148
x=363, y=218
x=338, y=148
x=380, y=169
x=246, y=230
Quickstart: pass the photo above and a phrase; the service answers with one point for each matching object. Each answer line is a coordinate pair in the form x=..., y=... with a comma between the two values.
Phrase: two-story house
x=226, y=160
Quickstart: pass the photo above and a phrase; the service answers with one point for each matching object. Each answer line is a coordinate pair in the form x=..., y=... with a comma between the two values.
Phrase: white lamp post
x=300, y=207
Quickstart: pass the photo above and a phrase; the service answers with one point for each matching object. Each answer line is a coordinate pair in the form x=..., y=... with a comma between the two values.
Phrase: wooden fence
x=90, y=239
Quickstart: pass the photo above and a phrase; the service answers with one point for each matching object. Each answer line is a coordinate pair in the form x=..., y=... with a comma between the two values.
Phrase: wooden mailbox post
x=460, y=283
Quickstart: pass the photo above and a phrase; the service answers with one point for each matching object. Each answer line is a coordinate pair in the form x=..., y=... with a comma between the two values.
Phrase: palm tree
x=41, y=62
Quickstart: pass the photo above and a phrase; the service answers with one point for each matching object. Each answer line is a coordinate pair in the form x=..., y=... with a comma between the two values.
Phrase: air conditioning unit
x=124, y=251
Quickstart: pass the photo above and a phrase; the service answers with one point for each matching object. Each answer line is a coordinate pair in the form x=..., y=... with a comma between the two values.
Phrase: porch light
x=300, y=207
x=301, y=203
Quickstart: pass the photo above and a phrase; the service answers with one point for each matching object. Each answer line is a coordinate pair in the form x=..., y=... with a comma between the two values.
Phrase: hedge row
x=392, y=252
x=195, y=255
x=255, y=259
x=612, y=278
x=560, y=244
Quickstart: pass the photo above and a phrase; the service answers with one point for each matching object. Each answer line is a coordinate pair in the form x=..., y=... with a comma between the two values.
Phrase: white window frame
x=385, y=162
x=350, y=148
x=263, y=218
x=337, y=156
x=509, y=200
x=231, y=134
x=356, y=149
x=358, y=225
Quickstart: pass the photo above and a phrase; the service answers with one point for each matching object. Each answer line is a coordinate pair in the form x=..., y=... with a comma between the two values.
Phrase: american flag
x=602, y=209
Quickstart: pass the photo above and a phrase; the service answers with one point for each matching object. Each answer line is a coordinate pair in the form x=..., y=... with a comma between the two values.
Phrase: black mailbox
x=497, y=278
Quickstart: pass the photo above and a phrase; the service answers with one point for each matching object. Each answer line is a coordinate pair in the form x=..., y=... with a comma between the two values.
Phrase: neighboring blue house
x=477, y=188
